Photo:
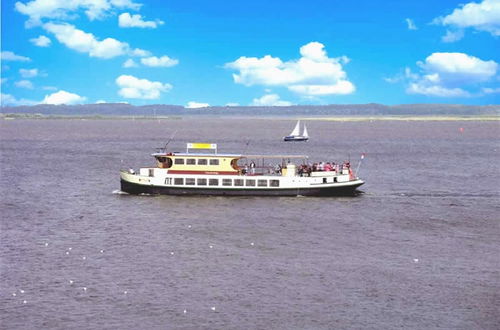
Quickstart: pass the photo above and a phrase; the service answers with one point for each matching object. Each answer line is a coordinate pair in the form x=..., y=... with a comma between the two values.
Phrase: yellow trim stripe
x=202, y=146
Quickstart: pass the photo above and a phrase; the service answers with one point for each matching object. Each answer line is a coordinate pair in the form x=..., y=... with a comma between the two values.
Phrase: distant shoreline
x=9, y=116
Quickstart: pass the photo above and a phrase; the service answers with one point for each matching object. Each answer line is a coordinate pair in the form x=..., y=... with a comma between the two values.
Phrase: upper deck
x=215, y=163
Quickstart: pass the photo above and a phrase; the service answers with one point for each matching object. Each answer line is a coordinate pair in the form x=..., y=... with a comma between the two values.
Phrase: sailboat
x=295, y=134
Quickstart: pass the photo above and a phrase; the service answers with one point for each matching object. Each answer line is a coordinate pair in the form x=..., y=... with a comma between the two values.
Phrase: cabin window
x=190, y=161
x=168, y=181
x=190, y=181
x=162, y=159
x=213, y=182
x=179, y=181
x=179, y=161
x=202, y=161
x=335, y=179
x=324, y=180
x=214, y=162
x=274, y=183
x=227, y=182
x=250, y=183
x=262, y=183
x=151, y=172
x=202, y=182
x=238, y=182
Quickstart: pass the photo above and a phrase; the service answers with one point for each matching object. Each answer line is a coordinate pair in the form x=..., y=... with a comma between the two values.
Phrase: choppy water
x=419, y=249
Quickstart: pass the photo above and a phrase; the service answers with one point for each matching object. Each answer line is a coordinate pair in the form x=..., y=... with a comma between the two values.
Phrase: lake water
x=419, y=249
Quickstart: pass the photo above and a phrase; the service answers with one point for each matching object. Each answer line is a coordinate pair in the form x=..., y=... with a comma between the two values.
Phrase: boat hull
x=136, y=189
x=295, y=138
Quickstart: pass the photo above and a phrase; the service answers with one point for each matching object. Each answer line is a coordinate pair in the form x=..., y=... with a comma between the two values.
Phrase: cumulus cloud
x=411, y=24
x=196, y=105
x=489, y=90
x=130, y=63
x=139, y=52
x=37, y=10
x=84, y=42
x=63, y=97
x=10, y=56
x=28, y=73
x=126, y=20
x=24, y=84
x=449, y=74
x=135, y=88
x=314, y=73
x=452, y=36
x=41, y=41
x=49, y=88
x=270, y=100
x=163, y=61
x=7, y=99
x=483, y=16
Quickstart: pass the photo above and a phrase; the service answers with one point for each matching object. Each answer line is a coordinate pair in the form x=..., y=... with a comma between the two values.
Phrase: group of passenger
x=306, y=169
x=303, y=170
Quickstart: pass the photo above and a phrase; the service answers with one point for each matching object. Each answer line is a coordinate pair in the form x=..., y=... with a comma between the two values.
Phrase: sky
x=264, y=53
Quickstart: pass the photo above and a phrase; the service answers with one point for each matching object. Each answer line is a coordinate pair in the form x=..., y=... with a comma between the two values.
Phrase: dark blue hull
x=136, y=189
x=295, y=138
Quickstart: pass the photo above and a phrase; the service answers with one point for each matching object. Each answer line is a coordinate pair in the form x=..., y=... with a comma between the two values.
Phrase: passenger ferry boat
x=211, y=173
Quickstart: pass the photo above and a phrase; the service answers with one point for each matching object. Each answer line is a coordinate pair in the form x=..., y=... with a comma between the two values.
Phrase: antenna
x=246, y=146
x=171, y=138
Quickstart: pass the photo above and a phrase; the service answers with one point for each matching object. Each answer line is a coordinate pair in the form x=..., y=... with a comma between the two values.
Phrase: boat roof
x=184, y=154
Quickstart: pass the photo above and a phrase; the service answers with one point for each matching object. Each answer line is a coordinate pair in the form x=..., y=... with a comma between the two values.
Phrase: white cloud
x=49, y=88
x=86, y=42
x=7, y=99
x=232, y=104
x=483, y=16
x=270, y=100
x=411, y=24
x=452, y=36
x=24, y=84
x=139, y=52
x=63, y=97
x=449, y=74
x=163, y=61
x=196, y=105
x=459, y=67
x=130, y=63
x=135, y=88
x=313, y=74
x=64, y=9
x=28, y=73
x=100, y=102
x=10, y=56
x=489, y=90
x=435, y=90
x=41, y=41
x=126, y=20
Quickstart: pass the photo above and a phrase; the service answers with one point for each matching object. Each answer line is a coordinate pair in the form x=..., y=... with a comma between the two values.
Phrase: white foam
x=119, y=192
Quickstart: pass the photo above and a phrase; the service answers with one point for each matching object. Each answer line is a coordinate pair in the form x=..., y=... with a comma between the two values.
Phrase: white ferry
x=212, y=173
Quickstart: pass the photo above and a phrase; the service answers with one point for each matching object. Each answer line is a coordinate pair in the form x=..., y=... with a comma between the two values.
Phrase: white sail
x=305, y=132
x=296, y=130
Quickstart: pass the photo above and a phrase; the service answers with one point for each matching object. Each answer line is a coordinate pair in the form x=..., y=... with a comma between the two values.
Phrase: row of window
x=194, y=161
x=225, y=182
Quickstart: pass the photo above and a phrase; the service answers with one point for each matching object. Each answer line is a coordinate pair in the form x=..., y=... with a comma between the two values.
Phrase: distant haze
x=372, y=109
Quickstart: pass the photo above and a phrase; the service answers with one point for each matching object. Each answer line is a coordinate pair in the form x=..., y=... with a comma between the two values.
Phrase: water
x=419, y=249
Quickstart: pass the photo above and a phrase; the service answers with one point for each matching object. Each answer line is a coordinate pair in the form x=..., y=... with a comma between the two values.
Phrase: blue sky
x=198, y=53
